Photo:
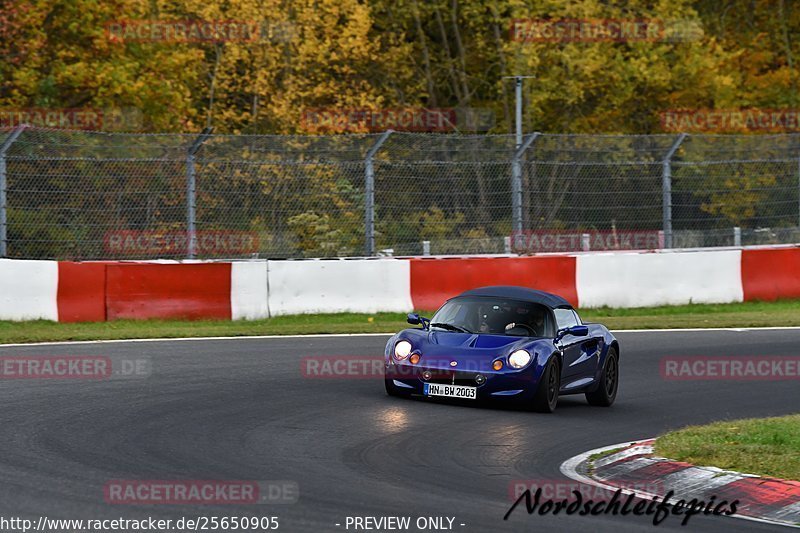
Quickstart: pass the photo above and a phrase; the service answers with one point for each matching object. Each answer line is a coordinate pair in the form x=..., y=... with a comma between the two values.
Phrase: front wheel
x=606, y=391
x=546, y=397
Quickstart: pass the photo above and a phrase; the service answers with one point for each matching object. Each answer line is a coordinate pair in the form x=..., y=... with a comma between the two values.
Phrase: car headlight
x=402, y=350
x=519, y=359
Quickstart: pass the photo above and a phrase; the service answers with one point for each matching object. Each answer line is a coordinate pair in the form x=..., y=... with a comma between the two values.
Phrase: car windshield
x=498, y=316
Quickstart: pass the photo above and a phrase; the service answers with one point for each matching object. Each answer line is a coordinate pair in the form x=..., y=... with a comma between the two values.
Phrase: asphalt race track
x=242, y=410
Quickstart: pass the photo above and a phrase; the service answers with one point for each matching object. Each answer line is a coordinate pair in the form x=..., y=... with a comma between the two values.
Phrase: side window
x=565, y=318
x=577, y=318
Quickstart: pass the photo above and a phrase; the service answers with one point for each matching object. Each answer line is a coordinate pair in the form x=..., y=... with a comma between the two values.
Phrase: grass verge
x=751, y=314
x=762, y=446
x=42, y=330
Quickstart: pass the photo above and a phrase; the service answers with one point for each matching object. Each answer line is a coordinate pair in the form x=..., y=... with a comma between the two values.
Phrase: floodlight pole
x=369, y=194
x=191, y=194
x=666, y=191
x=516, y=165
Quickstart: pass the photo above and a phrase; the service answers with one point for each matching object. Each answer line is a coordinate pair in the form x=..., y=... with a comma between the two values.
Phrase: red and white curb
x=762, y=499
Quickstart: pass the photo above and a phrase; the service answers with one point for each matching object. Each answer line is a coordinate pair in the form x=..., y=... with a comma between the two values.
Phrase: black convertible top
x=520, y=293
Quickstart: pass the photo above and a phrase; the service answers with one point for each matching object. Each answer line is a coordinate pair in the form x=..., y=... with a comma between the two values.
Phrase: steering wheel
x=513, y=325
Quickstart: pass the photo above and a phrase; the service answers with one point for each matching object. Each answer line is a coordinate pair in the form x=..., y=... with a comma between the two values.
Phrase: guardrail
x=98, y=291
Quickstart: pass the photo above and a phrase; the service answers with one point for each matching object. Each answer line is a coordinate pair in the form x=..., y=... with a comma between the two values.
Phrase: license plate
x=450, y=391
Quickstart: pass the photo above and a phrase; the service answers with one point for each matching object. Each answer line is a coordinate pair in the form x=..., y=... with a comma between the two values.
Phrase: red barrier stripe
x=435, y=280
x=188, y=291
x=771, y=274
x=81, y=292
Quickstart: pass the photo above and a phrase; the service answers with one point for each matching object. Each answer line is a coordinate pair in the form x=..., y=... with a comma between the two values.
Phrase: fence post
x=4, y=188
x=516, y=183
x=666, y=191
x=369, y=195
x=191, y=194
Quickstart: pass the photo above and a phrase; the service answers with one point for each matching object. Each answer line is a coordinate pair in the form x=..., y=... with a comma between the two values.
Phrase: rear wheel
x=546, y=397
x=606, y=391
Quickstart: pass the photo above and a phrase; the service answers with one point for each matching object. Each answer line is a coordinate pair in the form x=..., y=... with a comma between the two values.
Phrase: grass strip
x=761, y=446
x=750, y=314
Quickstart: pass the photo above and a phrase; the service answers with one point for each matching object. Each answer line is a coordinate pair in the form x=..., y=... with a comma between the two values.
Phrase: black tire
x=607, y=389
x=546, y=397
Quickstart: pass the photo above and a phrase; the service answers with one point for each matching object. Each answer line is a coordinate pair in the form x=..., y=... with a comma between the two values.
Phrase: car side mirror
x=579, y=331
x=575, y=331
x=413, y=318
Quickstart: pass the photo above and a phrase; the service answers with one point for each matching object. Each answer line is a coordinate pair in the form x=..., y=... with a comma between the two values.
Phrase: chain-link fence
x=88, y=195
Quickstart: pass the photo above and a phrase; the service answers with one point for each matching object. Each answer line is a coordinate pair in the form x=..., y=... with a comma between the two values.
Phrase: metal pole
x=518, y=101
x=4, y=188
x=516, y=182
x=191, y=194
x=191, y=209
x=586, y=242
x=666, y=191
x=369, y=195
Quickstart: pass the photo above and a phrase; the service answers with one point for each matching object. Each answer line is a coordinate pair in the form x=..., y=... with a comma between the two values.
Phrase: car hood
x=470, y=340
x=474, y=351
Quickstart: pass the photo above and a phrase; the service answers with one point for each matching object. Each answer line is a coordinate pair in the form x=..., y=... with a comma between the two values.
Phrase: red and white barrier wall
x=98, y=291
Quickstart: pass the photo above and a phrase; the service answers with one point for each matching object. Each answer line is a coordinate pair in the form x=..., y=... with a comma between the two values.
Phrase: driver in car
x=503, y=319
x=499, y=319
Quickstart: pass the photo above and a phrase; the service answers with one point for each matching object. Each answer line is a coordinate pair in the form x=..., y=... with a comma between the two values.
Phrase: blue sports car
x=503, y=342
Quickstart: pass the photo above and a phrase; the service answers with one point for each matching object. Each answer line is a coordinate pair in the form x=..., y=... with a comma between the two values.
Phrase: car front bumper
x=517, y=385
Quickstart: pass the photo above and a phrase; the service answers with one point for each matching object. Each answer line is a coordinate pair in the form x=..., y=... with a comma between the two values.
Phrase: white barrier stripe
x=628, y=280
x=624, y=454
x=249, y=290
x=28, y=290
x=333, y=286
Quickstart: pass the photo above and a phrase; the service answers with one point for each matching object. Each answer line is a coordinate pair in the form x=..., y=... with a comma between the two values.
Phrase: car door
x=579, y=354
